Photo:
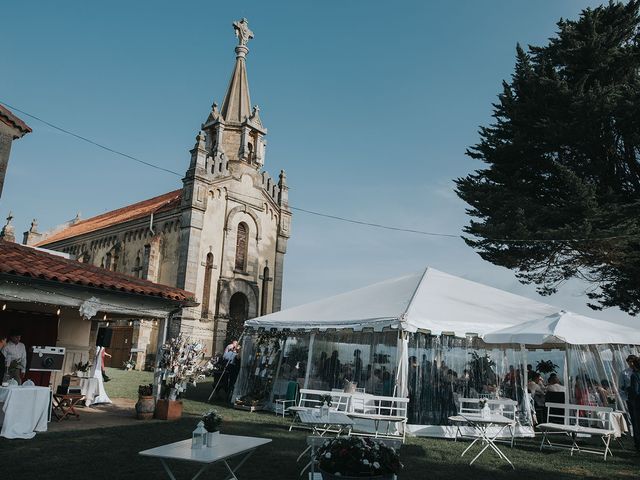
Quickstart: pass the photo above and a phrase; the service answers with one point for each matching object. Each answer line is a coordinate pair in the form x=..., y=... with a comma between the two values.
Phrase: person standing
x=634, y=400
x=103, y=354
x=624, y=385
x=3, y=363
x=15, y=354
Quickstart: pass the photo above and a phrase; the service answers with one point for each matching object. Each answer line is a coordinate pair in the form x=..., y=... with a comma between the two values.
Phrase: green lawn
x=112, y=453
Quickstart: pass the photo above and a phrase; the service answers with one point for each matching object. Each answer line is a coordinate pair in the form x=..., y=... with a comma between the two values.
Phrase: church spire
x=236, y=107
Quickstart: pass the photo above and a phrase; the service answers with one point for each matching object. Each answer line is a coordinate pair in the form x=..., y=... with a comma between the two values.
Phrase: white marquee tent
x=421, y=333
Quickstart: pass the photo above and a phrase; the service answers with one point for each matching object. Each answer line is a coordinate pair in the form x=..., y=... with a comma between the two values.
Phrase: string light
x=58, y=311
x=4, y=306
x=105, y=317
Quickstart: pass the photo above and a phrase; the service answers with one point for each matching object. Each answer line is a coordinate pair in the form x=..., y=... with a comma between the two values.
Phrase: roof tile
x=29, y=262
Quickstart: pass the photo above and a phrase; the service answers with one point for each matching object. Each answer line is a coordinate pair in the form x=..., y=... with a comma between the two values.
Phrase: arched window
x=265, y=291
x=206, y=291
x=137, y=268
x=107, y=263
x=242, y=243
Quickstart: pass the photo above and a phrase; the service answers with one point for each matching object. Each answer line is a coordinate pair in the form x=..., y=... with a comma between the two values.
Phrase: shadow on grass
x=112, y=453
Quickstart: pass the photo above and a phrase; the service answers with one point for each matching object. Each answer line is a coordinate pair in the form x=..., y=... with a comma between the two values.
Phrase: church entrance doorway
x=238, y=313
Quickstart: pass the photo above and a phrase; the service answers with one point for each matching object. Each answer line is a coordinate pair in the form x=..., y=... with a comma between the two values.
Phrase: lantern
x=198, y=437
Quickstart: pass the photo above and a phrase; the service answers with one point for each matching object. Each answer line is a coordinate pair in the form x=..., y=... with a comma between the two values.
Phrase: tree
x=559, y=197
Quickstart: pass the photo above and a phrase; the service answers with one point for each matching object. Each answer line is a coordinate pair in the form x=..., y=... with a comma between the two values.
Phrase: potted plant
x=82, y=369
x=180, y=366
x=212, y=421
x=146, y=405
x=347, y=458
x=128, y=365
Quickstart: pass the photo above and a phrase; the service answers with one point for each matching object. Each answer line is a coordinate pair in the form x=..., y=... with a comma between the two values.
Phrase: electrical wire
x=320, y=214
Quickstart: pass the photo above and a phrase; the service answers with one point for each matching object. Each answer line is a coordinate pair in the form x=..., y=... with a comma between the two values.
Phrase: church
x=222, y=235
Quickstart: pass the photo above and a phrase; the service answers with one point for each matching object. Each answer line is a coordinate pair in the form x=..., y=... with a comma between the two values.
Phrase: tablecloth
x=26, y=410
x=619, y=424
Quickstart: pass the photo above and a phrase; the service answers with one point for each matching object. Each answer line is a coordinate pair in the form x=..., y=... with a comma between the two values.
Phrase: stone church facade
x=222, y=236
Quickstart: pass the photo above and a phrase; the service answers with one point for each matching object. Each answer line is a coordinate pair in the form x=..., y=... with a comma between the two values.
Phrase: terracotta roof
x=29, y=262
x=8, y=117
x=158, y=204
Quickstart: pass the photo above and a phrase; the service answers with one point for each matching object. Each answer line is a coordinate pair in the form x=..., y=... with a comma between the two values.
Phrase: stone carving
x=243, y=33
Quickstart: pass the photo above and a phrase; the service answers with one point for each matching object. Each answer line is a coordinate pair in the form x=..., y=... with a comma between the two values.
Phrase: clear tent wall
x=441, y=368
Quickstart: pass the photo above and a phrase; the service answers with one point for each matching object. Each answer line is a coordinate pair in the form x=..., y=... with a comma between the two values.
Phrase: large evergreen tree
x=559, y=196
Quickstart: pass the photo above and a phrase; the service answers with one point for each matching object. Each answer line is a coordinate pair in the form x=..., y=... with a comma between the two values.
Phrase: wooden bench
x=574, y=420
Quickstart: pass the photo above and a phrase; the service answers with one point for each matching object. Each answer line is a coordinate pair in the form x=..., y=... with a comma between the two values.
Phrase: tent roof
x=565, y=327
x=431, y=300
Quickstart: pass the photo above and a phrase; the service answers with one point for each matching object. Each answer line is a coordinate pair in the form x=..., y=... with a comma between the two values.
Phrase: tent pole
x=309, y=357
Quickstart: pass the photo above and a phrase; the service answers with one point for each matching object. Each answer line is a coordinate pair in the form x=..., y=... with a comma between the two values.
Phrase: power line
x=319, y=214
x=85, y=139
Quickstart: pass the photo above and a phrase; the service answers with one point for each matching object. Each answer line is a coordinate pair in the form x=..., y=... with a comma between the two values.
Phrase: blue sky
x=369, y=105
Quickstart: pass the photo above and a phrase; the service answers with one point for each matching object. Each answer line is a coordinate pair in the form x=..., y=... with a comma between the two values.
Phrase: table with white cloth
x=228, y=446
x=25, y=409
x=482, y=425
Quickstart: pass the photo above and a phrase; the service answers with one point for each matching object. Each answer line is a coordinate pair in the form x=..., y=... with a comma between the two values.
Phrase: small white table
x=26, y=410
x=321, y=424
x=228, y=446
x=481, y=425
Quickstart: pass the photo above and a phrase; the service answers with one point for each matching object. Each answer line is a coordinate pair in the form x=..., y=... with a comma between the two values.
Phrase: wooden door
x=120, y=348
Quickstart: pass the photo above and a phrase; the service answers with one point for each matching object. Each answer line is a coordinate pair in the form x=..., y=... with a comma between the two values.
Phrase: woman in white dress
x=96, y=373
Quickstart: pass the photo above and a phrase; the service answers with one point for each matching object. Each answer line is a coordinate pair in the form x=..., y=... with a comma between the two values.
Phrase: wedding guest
x=625, y=385
x=3, y=363
x=15, y=351
x=554, y=385
x=634, y=400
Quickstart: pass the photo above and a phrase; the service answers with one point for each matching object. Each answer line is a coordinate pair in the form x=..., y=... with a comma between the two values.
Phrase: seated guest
x=554, y=385
x=605, y=393
x=536, y=389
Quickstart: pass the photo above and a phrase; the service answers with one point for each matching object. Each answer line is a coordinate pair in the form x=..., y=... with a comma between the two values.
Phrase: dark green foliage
x=546, y=366
x=559, y=197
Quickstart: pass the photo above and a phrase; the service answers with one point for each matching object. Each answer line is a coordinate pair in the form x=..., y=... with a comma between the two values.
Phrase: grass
x=112, y=453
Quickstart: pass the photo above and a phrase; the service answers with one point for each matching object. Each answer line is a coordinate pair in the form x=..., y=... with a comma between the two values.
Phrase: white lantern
x=198, y=437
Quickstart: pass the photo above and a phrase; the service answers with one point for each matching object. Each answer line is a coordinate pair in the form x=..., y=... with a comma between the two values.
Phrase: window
x=242, y=237
x=137, y=268
x=206, y=291
x=265, y=291
x=107, y=262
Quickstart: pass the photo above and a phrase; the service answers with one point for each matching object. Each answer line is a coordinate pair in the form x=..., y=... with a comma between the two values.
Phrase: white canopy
x=565, y=327
x=430, y=301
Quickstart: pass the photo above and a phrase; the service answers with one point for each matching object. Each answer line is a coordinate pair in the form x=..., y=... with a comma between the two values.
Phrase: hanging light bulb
x=104, y=317
x=107, y=324
x=4, y=306
x=58, y=311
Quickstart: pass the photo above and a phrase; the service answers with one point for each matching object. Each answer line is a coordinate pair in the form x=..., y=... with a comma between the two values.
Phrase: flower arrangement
x=325, y=399
x=181, y=364
x=82, y=367
x=482, y=402
x=212, y=421
x=546, y=366
x=145, y=390
x=357, y=457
